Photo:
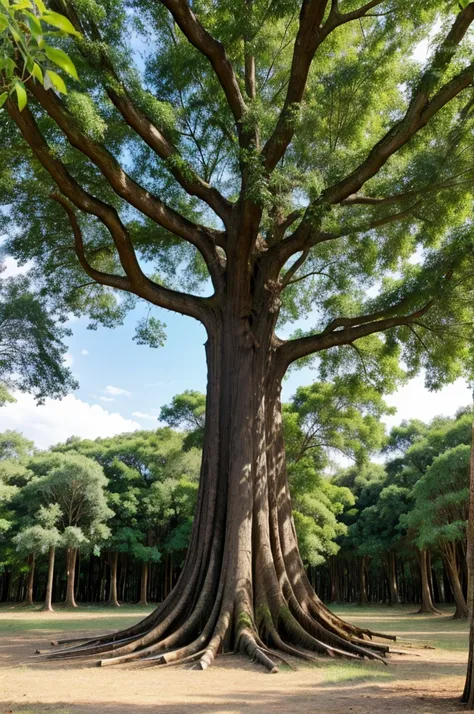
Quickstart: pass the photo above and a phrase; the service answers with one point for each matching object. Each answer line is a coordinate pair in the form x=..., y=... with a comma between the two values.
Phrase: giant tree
x=289, y=156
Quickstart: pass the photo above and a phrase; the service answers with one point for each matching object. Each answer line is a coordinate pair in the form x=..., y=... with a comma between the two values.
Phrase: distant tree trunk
x=468, y=694
x=48, y=606
x=71, y=556
x=29, y=584
x=144, y=585
x=450, y=559
x=113, y=598
x=392, y=578
x=363, y=580
x=427, y=606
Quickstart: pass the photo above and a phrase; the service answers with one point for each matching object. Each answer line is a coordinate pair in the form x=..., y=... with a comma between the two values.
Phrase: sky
x=123, y=385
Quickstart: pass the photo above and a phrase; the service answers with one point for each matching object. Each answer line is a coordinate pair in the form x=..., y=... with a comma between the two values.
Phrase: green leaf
x=3, y=22
x=37, y=73
x=3, y=98
x=41, y=6
x=61, y=59
x=21, y=95
x=59, y=21
x=22, y=5
x=34, y=24
x=53, y=80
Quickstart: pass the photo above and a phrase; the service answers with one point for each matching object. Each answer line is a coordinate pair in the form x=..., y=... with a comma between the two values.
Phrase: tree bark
x=363, y=580
x=243, y=585
x=71, y=557
x=468, y=694
x=144, y=584
x=48, y=606
x=427, y=606
x=30, y=581
x=449, y=551
x=392, y=578
x=113, y=597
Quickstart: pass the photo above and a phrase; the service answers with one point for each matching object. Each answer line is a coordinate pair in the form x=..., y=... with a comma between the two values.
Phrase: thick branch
x=293, y=350
x=125, y=187
x=311, y=34
x=213, y=50
x=140, y=284
x=193, y=184
x=421, y=109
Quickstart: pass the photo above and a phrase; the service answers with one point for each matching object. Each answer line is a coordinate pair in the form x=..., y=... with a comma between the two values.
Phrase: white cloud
x=141, y=415
x=117, y=391
x=84, y=352
x=56, y=420
x=68, y=359
x=414, y=401
x=107, y=399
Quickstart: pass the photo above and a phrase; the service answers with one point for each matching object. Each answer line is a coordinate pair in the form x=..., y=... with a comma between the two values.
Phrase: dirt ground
x=424, y=681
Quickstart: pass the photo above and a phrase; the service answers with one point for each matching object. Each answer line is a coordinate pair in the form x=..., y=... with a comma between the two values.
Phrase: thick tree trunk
x=30, y=581
x=144, y=584
x=450, y=560
x=48, y=602
x=113, y=597
x=71, y=557
x=427, y=606
x=468, y=694
x=243, y=585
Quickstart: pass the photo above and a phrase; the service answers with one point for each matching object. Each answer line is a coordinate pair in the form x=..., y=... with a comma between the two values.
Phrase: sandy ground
x=424, y=681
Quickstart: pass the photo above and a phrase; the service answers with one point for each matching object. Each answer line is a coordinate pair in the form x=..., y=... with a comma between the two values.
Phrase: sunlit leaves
x=24, y=52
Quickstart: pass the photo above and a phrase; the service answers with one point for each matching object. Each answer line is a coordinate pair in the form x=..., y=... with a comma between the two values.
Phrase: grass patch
x=354, y=672
x=441, y=631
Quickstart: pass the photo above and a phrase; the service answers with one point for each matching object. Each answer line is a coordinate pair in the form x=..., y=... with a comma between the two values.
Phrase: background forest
x=109, y=520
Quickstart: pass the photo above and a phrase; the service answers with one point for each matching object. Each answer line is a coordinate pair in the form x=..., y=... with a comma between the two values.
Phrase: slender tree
x=292, y=157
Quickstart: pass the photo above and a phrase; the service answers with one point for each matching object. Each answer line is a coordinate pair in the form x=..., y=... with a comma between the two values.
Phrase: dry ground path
x=424, y=681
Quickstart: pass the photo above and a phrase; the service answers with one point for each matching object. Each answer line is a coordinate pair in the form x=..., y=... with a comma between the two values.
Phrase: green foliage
x=25, y=52
x=31, y=344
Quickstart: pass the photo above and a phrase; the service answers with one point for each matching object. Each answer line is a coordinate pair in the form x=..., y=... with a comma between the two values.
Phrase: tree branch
x=139, y=283
x=215, y=53
x=193, y=184
x=311, y=34
x=203, y=239
x=292, y=350
x=420, y=110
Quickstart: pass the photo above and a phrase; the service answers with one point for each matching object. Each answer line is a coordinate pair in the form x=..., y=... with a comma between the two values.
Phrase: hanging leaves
x=24, y=52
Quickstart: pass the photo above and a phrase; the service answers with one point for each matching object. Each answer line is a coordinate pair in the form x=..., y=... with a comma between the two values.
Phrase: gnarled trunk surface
x=243, y=586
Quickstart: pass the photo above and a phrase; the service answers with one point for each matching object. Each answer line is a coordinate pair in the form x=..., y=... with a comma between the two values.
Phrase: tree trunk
x=30, y=581
x=450, y=560
x=427, y=606
x=113, y=598
x=468, y=694
x=48, y=602
x=71, y=556
x=392, y=579
x=243, y=585
x=144, y=585
x=363, y=580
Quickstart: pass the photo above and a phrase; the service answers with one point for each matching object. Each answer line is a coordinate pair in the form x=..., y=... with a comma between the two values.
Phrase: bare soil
x=423, y=681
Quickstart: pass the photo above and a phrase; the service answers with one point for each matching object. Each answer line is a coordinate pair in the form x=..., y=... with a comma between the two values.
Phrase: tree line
x=109, y=520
